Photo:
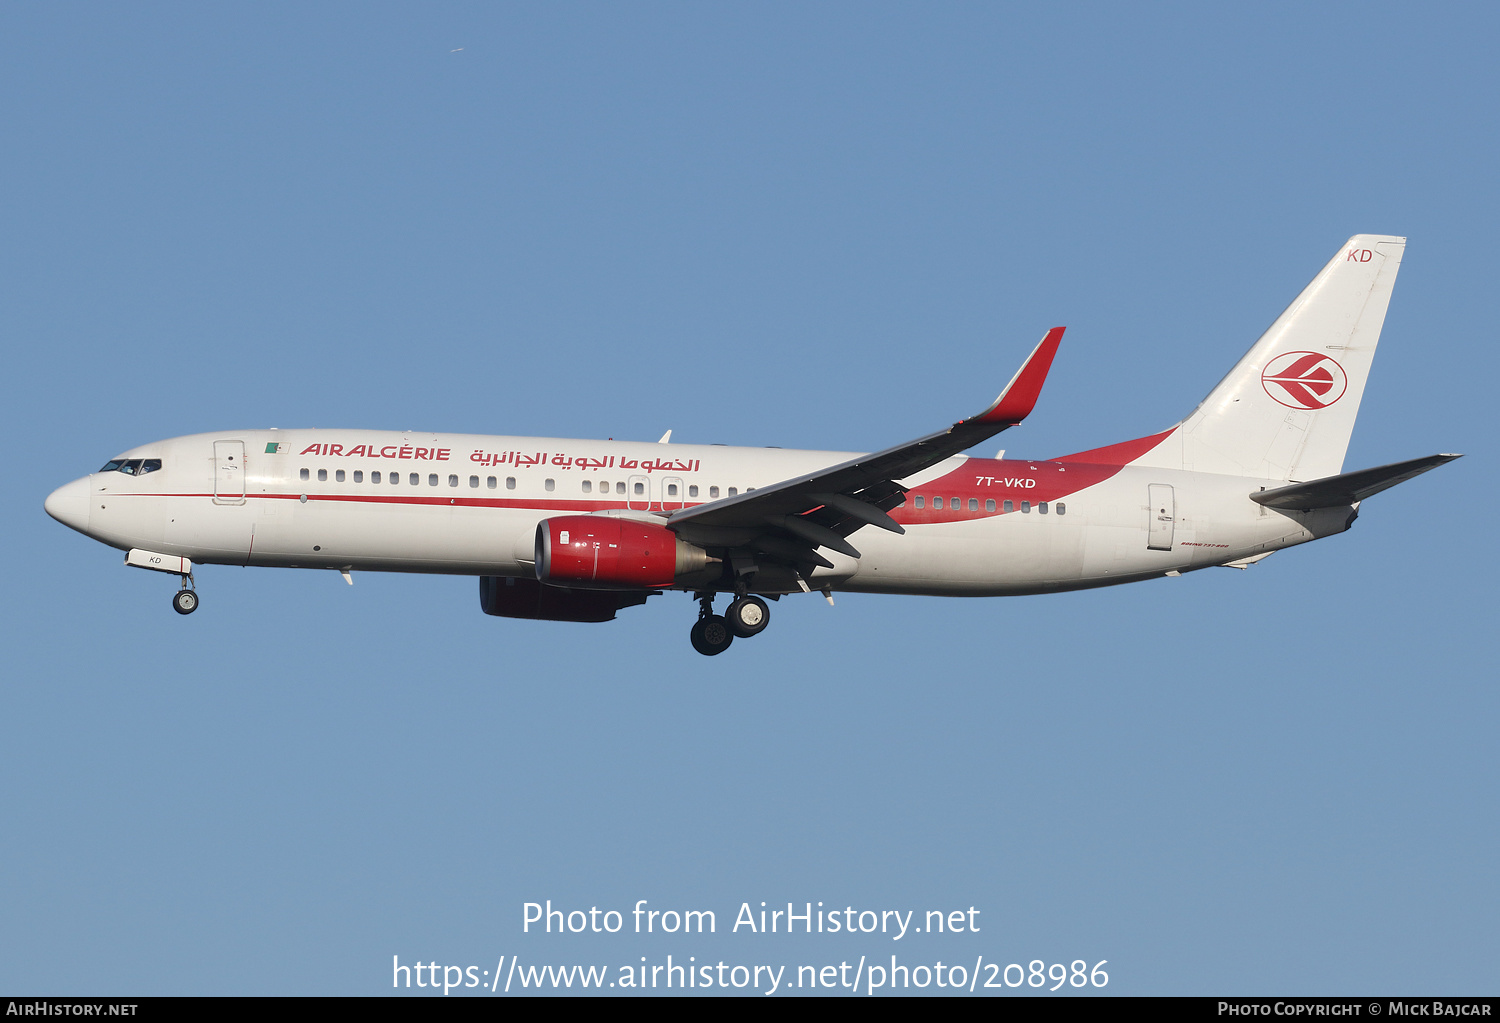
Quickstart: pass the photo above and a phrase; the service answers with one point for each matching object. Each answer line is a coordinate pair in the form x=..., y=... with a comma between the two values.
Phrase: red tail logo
x=1304, y=380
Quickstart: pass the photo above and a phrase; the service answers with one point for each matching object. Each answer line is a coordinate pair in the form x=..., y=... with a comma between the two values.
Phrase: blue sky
x=828, y=226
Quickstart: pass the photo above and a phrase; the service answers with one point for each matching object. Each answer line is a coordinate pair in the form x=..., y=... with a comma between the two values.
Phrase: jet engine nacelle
x=605, y=551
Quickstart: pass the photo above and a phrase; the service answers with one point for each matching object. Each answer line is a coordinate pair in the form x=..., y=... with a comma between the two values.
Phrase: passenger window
x=713, y=492
x=1041, y=508
x=973, y=504
x=551, y=485
x=989, y=505
x=375, y=477
x=1010, y=506
x=432, y=479
x=640, y=488
x=359, y=476
x=338, y=477
x=510, y=483
x=692, y=490
x=937, y=502
x=587, y=486
x=732, y=491
x=490, y=482
x=415, y=479
x=919, y=501
x=1025, y=507
x=619, y=488
x=473, y=482
x=395, y=478
x=671, y=490
x=1062, y=509
x=305, y=475
x=322, y=475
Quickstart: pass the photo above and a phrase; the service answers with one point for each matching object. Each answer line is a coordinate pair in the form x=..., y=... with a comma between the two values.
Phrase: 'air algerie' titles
x=519, y=459
x=396, y=451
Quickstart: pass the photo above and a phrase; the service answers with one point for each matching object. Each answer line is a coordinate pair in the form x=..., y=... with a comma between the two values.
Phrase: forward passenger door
x=229, y=472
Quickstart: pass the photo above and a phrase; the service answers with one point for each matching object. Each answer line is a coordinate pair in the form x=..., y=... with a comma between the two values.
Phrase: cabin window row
x=673, y=490
x=638, y=488
x=957, y=504
x=413, y=479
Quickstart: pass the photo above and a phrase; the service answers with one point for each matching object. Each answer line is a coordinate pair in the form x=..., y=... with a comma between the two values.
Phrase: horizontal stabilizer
x=1337, y=491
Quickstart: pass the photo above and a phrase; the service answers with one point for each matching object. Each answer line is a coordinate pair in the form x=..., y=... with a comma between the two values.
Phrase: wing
x=788, y=521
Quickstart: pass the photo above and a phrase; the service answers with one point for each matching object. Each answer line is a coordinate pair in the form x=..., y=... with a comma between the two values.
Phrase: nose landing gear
x=185, y=600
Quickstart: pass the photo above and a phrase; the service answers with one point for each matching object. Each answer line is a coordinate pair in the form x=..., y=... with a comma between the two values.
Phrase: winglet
x=1019, y=397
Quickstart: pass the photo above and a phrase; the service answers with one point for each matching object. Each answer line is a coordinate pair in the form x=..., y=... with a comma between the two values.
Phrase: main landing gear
x=185, y=600
x=747, y=615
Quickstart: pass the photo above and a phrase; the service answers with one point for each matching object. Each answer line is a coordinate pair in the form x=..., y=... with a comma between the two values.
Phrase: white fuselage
x=469, y=505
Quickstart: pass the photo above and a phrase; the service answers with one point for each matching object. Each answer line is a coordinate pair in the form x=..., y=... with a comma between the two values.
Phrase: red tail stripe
x=1122, y=453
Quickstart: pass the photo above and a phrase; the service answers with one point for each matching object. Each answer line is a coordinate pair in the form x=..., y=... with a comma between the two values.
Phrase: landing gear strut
x=711, y=634
x=185, y=600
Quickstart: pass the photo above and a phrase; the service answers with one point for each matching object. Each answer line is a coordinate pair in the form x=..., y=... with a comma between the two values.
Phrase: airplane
x=578, y=530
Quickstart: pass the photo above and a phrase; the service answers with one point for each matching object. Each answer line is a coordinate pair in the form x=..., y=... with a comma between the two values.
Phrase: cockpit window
x=133, y=466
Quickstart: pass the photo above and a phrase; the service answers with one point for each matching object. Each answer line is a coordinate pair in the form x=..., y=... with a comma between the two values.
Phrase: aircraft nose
x=69, y=504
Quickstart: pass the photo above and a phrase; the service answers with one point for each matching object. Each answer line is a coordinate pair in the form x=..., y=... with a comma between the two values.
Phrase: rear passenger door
x=1162, y=520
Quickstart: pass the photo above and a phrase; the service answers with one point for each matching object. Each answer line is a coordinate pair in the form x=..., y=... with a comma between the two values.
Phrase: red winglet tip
x=1019, y=397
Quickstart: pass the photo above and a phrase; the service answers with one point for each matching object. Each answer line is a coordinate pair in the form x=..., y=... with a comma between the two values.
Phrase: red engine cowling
x=605, y=551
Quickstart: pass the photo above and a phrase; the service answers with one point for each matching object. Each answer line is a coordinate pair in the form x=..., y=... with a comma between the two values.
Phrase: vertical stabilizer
x=1287, y=410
